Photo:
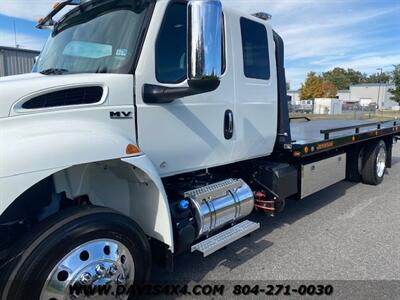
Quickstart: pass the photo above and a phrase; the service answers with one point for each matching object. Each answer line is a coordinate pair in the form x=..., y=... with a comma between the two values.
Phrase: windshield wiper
x=54, y=71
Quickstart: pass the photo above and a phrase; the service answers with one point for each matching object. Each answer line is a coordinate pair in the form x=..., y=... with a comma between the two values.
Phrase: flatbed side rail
x=375, y=130
x=300, y=118
x=327, y=132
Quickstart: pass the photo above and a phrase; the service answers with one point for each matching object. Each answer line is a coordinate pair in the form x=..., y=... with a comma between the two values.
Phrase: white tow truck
x=149, y=129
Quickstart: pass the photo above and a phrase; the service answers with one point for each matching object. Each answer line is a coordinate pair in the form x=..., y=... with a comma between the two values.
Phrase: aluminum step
x=215, y=190
x=224, y=238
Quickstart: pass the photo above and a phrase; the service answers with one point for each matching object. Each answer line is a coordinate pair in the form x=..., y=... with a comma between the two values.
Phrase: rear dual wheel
x=374, y=163
x=368, y=164
x=89, y=246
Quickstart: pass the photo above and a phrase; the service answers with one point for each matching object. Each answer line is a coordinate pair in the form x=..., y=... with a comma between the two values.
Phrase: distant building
x=344, y=95
x=365, y=94
x=327, y=106
x=373, y=93
x=295, y=96
x=14, y=61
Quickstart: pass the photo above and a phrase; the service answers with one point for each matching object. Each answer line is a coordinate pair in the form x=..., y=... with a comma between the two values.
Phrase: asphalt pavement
x=346, y=232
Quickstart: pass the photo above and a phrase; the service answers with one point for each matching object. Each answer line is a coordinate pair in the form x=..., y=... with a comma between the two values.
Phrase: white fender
x=157, y=219
x=33, y=147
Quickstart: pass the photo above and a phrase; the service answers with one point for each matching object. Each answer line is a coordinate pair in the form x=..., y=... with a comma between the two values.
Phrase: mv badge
x=121, y=115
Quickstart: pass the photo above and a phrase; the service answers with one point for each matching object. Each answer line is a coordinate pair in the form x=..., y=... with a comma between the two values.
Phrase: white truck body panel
x=154, y=213
x=256, y=105
x=35, y=144
x=73, y=134
x=188, y=134
x=185, y=135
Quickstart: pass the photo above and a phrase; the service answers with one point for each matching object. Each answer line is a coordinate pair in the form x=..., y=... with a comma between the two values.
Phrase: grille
x=68, y=97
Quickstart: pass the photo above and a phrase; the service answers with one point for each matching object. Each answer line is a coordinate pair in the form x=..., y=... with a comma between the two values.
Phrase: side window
x=255, y=49
x=171, y=58
x=171, y=46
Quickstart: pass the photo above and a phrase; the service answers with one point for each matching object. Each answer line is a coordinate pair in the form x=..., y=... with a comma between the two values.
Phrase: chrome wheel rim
x=381, y=162
x=96, y=263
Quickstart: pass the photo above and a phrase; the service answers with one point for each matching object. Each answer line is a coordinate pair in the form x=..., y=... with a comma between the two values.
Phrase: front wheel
x=92, y=247
x=374, y=165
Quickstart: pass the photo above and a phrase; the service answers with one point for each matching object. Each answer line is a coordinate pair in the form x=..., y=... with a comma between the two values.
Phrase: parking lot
x=346, y=232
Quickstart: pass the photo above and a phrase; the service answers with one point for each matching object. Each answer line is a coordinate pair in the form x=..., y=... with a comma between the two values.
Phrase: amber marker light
x=132, y=149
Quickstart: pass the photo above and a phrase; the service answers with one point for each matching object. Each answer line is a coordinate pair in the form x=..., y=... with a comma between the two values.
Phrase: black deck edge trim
x=342, y=141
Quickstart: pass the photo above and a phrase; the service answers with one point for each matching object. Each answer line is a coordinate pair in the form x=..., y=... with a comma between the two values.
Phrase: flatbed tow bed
x=314, y=137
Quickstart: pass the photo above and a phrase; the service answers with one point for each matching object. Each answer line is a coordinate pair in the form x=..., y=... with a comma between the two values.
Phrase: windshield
x=99, y=37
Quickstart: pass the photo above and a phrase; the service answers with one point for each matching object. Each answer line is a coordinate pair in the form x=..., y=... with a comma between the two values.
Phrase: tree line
x=328, y=83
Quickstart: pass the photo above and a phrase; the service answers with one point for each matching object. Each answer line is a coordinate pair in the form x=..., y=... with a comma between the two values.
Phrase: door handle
x=228, y=124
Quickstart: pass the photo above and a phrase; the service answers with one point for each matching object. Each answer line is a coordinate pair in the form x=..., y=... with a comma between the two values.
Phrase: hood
x=12, y=88
x=15, y=88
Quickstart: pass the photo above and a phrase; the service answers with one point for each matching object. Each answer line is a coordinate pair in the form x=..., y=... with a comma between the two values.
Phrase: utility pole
x=15, y=34
x=379, y=90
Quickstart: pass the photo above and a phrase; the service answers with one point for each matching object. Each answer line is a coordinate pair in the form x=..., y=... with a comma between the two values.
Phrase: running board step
x=224, y=238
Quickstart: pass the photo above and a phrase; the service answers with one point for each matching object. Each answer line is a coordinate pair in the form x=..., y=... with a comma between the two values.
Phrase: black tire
x=369, y=172
x=40, y=252
x=354, y=165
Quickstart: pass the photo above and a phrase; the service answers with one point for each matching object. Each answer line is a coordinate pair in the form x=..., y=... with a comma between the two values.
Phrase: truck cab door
x=256, y=106
x=189, y=133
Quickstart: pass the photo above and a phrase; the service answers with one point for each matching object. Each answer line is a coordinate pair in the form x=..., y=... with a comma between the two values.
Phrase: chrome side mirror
x=204, y=50
x=204, y=44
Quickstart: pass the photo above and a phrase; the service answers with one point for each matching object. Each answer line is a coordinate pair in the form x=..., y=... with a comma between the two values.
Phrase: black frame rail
x=327, y=132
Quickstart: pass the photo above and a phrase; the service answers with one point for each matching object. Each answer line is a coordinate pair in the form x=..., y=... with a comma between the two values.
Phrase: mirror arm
x=158, y=94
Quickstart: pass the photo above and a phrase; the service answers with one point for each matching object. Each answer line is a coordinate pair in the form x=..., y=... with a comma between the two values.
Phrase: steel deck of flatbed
x=312, y=137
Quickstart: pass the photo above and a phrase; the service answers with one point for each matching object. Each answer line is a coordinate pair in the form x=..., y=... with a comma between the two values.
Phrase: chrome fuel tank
x=220, y=203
